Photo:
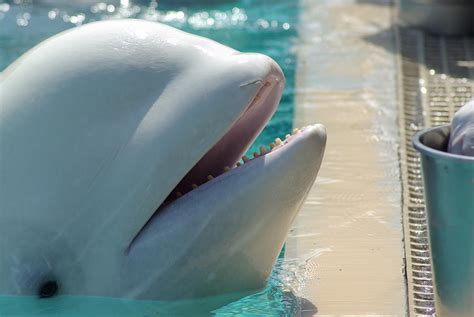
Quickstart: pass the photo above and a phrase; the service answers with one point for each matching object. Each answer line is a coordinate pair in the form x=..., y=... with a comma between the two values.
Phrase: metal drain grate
x=436, y=78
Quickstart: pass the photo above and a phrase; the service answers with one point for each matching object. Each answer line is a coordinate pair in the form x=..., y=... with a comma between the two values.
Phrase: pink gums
x=237, y=140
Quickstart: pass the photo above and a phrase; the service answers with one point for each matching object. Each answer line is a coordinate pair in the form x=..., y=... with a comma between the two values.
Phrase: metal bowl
x=449, y=194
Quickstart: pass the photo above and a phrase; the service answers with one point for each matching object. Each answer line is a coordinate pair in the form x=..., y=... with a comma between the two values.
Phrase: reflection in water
x=280, y=298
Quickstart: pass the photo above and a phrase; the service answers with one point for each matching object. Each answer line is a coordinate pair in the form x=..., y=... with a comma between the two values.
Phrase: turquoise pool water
x=265, y=26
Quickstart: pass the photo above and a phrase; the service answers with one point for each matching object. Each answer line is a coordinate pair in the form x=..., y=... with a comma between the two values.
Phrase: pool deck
x=351, y=224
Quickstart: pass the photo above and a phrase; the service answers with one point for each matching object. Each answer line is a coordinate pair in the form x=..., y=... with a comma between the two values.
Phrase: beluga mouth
x=228, y=153
x=190, y=183
x=241, y=214
x=234, y=144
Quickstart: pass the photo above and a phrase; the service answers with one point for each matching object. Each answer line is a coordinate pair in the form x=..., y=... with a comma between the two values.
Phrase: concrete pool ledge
x=353, y=213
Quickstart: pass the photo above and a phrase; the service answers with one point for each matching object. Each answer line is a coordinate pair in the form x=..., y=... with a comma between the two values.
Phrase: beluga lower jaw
x=120, y=170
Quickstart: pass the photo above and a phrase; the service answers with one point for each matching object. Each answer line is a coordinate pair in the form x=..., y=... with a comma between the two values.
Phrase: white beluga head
x=118, y=145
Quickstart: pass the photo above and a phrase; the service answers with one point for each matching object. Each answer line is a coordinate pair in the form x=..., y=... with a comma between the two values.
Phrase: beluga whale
x=120, y=170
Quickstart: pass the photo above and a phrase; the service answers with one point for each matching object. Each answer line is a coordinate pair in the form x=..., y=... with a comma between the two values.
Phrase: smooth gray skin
x=97, y=126
x=461, y=139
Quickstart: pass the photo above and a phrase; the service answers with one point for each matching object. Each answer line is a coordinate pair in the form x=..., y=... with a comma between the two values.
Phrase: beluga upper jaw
x=241, y=133
x=129, y=110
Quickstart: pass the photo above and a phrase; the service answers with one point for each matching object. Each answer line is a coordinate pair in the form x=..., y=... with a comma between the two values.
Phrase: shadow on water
x=72, y=306
x=436, y=48
x=78, y=306
x=281, y=297
x=273, y=301
x=283, y=294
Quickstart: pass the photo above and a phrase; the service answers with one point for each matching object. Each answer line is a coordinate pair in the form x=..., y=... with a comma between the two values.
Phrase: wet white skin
x=461, y=139
x=99, y=124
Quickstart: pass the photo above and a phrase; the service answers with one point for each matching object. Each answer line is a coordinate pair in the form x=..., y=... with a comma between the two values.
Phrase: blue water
x=265, y=26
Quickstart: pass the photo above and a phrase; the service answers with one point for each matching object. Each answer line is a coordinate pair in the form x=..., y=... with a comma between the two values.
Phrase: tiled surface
x=346, y=79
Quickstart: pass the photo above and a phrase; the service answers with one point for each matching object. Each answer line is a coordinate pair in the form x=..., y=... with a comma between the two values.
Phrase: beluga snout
x=121, y=172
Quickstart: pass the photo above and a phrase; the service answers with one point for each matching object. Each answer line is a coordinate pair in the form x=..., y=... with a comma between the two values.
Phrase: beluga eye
x=48, y=289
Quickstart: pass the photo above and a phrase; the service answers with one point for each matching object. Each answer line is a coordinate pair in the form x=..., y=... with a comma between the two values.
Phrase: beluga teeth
x=278, y=141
